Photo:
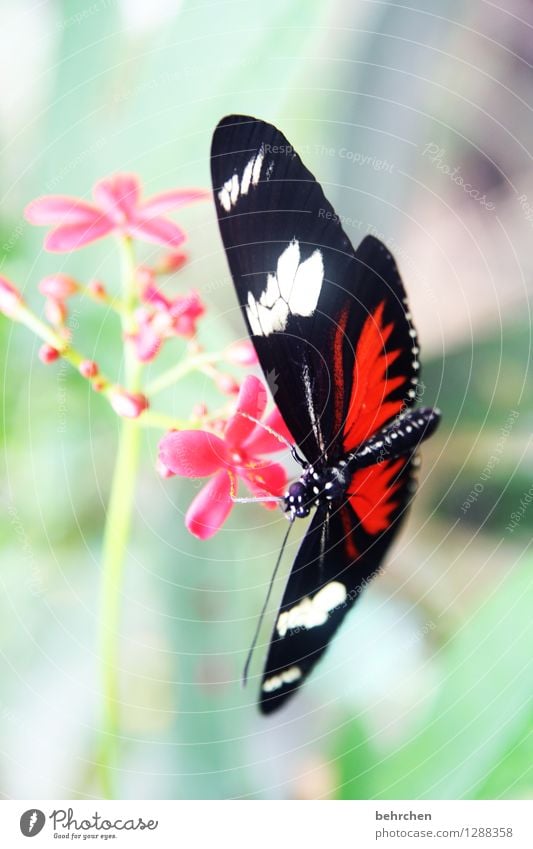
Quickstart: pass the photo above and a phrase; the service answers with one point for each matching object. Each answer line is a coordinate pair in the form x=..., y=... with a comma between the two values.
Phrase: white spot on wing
x=312, y=612
x=233, y=188
x=247, y=177
x=258, y=164
x=288, y=676
x=224, y=195
x=294, y=288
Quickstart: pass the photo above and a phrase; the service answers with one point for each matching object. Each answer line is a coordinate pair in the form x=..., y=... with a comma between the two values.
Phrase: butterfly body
x=323, y=485
x=335, y=339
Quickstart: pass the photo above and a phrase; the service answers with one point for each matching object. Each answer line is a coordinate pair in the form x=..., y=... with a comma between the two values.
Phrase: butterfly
x=333, y=332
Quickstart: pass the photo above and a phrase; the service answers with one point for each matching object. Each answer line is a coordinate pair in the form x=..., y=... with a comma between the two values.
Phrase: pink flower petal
x=59, y=209
x=211, y=507
x=156, y=230
x=171, y=200
x=70, y=237
x=117, y=196
x=10, y=298
x=252, y=400
x=266, y=479
x=192, y=453
x=261, y=441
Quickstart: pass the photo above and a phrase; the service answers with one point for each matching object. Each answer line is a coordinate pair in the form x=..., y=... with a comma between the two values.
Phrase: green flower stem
x=150, y=418
x=116, y=536
x=177, y=372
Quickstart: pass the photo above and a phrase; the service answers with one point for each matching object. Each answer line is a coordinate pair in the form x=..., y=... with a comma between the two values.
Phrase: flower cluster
x=228, y=445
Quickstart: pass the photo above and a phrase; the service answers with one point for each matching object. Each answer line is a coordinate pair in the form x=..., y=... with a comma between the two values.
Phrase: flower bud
x=47, y=354
x=88, y=368
x=55, y=311
x=242, y=354
x=99, y=384
x=58, y=286
x=97, y=290
x=10, y=298
x=227, y=384
x=199, y=411
x=127, y=404
x=172, y=262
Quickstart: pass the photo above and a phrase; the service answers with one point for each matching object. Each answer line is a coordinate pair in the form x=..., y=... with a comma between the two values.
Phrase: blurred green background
x=426, y=693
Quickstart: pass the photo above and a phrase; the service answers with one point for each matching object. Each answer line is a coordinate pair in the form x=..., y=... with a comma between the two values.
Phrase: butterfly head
x=315, y=488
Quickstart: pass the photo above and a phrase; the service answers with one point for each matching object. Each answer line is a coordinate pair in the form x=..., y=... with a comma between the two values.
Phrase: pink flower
x=117, y=208
x=176, y=316
x=236, y=454
x=128, y=404
x=10, y=298
x=184, y=311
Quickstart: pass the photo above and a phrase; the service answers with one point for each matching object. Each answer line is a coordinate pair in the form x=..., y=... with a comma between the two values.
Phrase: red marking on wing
x=369, y=409
x=371, y=494
x=347, y=526
x=338, y=369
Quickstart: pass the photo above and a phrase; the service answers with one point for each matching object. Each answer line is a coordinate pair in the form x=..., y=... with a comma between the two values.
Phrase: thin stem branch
x=179, y=371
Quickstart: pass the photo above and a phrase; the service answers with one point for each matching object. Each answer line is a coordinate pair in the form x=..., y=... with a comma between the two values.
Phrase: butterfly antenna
x=269, y=430
x=264, y=609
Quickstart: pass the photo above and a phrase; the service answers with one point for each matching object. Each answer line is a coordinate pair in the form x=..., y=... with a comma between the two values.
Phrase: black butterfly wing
x=334, y=337
x=342, y=550
x=305, y=294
